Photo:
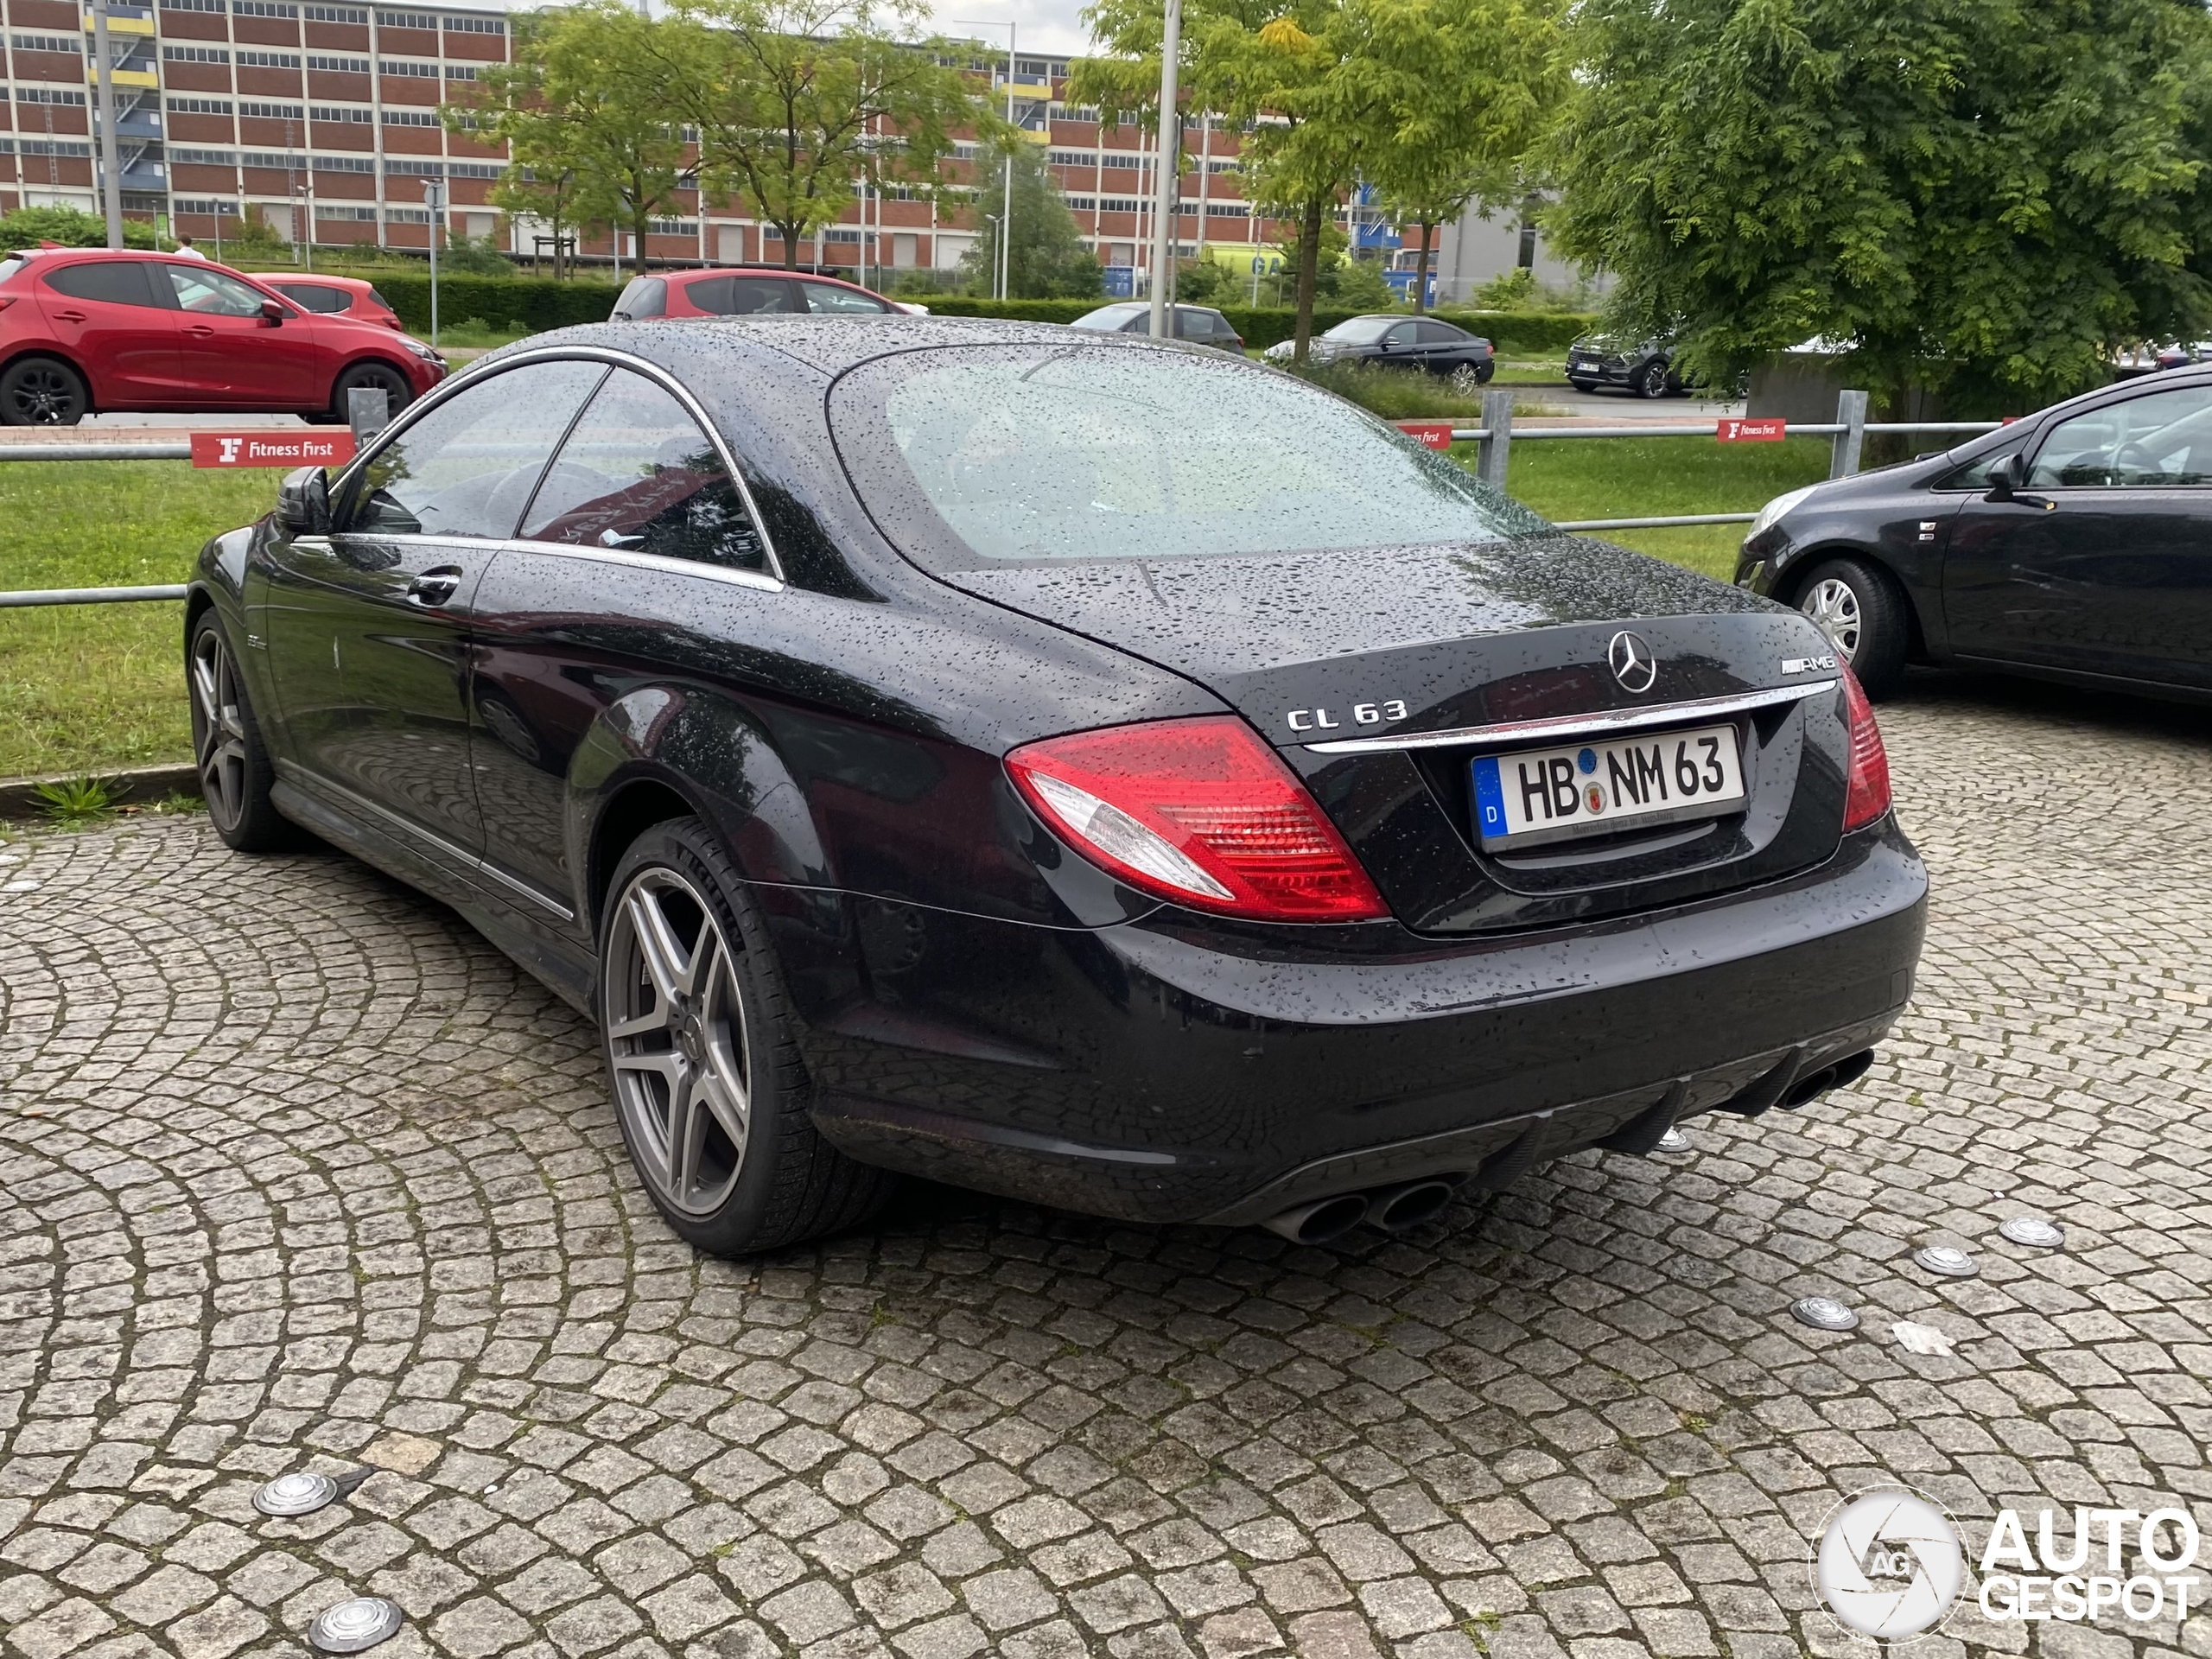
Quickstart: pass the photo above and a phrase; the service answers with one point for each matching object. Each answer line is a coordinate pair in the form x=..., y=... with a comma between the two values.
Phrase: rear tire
x=1862, y=612
x=704, y=1061
x=235, y=774
x=42, y=392
x=368, y=376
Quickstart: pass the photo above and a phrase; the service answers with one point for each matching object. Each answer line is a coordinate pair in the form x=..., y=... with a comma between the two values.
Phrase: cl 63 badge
x=1363, y=714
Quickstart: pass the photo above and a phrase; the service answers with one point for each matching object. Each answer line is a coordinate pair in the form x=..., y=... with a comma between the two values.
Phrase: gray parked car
x=1200, y=324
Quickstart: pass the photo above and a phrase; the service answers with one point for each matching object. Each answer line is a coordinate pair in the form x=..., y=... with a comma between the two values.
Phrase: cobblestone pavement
x=295, y=1170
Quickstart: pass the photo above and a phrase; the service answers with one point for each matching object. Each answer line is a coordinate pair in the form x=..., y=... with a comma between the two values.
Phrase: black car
x=2075, y=544
x=1395, y=341
x=1065, y=764
x=1201, y=325
x=1646, y=369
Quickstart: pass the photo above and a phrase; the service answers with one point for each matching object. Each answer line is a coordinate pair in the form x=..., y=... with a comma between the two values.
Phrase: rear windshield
x=11, y=265
x=989, y=455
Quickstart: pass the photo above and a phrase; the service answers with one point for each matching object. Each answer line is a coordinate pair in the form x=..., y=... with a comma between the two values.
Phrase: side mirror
x=303, y=502
x=2007, y=477
x=272, y=314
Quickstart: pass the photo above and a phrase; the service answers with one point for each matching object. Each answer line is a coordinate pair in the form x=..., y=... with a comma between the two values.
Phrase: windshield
x=988, y=456
x=1362, y=331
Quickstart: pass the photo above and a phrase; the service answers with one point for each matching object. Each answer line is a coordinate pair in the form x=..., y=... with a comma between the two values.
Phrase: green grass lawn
x=94, y=688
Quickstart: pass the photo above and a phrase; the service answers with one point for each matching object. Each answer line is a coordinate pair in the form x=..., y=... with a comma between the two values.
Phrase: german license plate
x=1539, y=795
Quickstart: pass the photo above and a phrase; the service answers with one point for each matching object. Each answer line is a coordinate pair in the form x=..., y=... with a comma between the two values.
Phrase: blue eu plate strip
x=1490, y=797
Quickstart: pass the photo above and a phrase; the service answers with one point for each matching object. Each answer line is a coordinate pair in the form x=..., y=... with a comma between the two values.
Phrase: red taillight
x=1200, y=812
x=1868, y=795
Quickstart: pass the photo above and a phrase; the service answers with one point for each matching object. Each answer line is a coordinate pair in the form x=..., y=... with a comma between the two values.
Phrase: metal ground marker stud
x=2036, y=1235
x=1823, y=1314
x=1944, y=1259
x=297, y=1493
x=355, y=1627
x=1673, y=1140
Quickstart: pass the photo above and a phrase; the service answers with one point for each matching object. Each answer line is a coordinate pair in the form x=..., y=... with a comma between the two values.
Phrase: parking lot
x=297, y=1172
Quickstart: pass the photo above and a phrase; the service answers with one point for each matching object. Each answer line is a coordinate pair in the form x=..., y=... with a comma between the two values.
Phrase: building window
x=409, y=118
x=205, y=157
x=324, y=212
x=274, y=111
x=49, y=95
x=1228, y=210
x=400, y=167
x=476, y=25
x=406, y=20
x=283, y=161
x=269, y=61
x=407, y=215
x=336, y=15
x=1122, y=158
x=68, y=43
x=195, y=5
x=54, y=147
x=264, y=9
x=345, y=164
x=334, y=112
x=340, y=66
x=474, y=171
x=176, y=105
x=214, y=206
x=412, y=71
x=459, y=71
x=194, y=54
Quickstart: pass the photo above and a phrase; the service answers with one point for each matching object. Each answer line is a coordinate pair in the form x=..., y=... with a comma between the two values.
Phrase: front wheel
x=1651, y=381
x=1859, y=609
x=42, y=392
x=235, y=774
x=709, y=1088
x=369, y=376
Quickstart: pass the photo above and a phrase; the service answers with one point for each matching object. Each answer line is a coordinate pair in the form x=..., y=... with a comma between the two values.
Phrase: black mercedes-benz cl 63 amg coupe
x=1097, y=771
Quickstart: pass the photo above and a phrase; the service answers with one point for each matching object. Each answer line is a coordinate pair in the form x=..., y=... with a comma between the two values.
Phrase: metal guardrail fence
x=1493, y=441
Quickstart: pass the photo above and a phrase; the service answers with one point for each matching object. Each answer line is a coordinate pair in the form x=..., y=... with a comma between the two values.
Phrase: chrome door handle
x=433, y=588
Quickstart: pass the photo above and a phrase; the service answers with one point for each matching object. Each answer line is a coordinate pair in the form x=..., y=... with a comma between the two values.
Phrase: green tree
x=1468, y=87
x=26, y=227
x=584, y=103
x=1982, y=198
x=1045, y=257
x=799, y=102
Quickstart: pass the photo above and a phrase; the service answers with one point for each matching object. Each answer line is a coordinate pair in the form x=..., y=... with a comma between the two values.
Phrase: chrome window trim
x=758, y=580
x=1598, y=725
x=456, y=384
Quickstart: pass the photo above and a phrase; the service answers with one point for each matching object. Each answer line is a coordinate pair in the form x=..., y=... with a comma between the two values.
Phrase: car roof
x=358, y=284
x=755, y=270
x=831, y=345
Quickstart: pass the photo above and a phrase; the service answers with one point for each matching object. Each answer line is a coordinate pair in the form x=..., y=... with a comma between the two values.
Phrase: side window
x=1439, y=334
x=212, y=294
x=646, y=297
x=467, y=466
x=825, y=300
x=1403, y=335
x=315, y=296
x=638, y=475
x=741, y=296
x=105, y=281
x=2161, y=440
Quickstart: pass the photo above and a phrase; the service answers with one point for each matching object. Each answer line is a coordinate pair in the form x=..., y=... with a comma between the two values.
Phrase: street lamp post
x=434, y=198
x=1167, y=180
x=111, y=147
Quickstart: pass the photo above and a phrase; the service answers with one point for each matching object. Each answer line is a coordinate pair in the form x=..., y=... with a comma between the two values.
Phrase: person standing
x=185, y=250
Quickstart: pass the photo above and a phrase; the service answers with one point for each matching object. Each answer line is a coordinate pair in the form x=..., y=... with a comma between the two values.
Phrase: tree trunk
x=791, y=244
x=1309, y=269
x=1421, y=274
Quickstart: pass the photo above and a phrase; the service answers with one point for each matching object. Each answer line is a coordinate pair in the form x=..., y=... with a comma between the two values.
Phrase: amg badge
x=1807, y=665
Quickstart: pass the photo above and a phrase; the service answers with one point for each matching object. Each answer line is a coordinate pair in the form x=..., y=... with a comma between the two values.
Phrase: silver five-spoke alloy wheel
x=218, y=729
x=1832, y=604
x=676, y=1036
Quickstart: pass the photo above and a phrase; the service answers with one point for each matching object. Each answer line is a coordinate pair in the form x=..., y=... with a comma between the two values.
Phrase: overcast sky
x=1050, y=26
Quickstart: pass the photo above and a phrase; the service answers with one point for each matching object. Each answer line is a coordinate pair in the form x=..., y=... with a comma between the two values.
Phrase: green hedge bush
x=543, y=303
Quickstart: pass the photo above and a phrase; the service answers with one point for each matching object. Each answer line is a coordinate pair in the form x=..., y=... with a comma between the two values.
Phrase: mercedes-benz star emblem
x=1632, y=661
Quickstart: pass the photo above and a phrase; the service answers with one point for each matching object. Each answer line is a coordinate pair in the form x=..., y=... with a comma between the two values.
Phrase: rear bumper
x=1172, y=1070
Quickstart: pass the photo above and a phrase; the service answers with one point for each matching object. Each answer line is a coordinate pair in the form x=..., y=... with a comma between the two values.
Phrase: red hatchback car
x=744, y=293
x=84, y=330
x=331, y=296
